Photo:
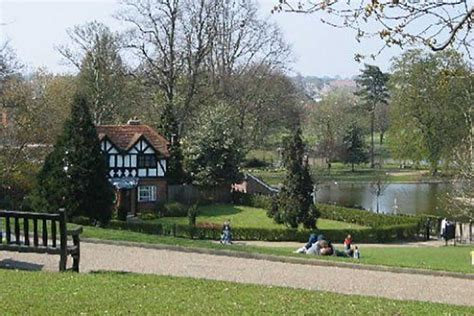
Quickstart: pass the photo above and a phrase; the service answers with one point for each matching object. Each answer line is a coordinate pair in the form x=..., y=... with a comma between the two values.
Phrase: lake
x=403, y=198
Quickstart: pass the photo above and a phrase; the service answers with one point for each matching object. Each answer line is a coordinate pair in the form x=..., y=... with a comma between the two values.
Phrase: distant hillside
x=316, y=87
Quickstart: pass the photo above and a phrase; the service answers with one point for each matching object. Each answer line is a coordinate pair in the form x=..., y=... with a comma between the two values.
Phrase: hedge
x=213, y=232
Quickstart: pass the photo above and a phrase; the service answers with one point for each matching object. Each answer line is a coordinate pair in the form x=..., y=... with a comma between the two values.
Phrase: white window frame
x=149, y=193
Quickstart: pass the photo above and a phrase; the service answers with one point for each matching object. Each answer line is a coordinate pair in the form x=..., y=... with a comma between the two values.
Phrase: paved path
x=334, y=279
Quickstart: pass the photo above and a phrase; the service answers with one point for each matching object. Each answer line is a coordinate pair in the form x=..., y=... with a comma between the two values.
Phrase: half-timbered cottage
x=137, y=158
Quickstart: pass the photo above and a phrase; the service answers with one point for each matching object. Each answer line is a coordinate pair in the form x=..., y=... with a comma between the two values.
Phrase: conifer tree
x=294, y=203
x=354, y=147
x=168, y=127
x=74, y=175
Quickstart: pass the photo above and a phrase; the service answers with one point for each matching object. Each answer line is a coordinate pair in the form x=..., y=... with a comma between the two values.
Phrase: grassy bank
x=343, y=173
x=42, y=293
x=455, y=259
x=246, y=216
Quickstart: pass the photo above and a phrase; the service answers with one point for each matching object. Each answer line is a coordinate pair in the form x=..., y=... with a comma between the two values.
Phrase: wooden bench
x=44, y=236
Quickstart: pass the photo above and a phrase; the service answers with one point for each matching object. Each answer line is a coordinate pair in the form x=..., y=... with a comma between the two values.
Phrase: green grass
x=40, y=293
x=455, y=259
x=245, y=216
x=343, y=173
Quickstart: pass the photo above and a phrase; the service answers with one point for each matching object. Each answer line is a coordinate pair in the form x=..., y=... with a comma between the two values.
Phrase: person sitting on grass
x=348, y=246
x=226, y=237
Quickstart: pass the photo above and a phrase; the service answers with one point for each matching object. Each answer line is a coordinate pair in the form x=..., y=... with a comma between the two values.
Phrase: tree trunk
x=353, y=167
x=381, y=138
x=372, y=127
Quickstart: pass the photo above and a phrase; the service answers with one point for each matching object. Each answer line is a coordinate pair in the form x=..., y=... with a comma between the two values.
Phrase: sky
x=35, y=28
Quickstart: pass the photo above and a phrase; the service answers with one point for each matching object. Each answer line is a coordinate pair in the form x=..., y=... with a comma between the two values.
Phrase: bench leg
x=62, y=263
x=75, y=262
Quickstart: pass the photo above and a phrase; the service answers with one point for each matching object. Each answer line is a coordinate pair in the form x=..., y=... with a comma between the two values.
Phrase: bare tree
x=377, y=187
x=434, y=24
x=95, y=52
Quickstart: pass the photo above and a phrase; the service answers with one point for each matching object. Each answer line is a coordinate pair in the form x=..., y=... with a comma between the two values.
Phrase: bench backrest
x=33, y=232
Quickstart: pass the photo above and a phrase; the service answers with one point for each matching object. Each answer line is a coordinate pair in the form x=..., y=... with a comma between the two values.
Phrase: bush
x=175, y=209
x=193, y=212
x=365, y=218
x=213, y=231
x=81, y=220
x=255, y=163
x=254, y=200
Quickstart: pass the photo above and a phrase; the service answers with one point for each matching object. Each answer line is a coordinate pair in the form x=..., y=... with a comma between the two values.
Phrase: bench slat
x=8, y=230
x=23, y=248
x=53, y=233
x=45, y=233
x=29, y=215
x=26, y=233
x=17, y=230
x=35, y=232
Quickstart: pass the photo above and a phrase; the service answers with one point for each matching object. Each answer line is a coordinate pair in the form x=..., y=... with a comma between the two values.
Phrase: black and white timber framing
x=141, y=160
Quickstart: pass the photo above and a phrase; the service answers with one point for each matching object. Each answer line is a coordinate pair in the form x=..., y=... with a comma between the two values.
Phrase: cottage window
x=147, y=193
x=146, y=161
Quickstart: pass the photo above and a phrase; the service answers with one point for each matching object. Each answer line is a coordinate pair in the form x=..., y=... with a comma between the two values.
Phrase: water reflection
x=404, y=198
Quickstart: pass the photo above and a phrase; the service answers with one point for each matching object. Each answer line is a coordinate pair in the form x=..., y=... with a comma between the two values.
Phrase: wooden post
x=63, y=239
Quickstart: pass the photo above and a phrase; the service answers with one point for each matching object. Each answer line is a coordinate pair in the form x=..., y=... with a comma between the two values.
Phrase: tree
x=437, y=25
x=430, y=99
x=74, y=174
x=329, y=119
x=294, y=203
x=372, y=88
x=214, y=152
x=101, y=77
x=170, y=129
x=378, y=186
x=354, y=146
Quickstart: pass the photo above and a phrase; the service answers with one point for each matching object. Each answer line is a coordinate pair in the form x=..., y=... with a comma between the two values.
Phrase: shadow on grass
x=20, y=265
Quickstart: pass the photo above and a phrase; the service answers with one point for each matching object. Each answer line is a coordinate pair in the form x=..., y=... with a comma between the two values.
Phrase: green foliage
x=294, y=203
x=430, y=103
x=362, y=217
x=354, y=147
x=74, y=175
x=407, y=231
x=169, y=128
x=213, y=153
x=101, y=78
x=175, y=209
x=372, y=88
x=193, y=212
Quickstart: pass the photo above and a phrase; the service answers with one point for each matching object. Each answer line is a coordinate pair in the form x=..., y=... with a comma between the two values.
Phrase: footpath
x=115, y=257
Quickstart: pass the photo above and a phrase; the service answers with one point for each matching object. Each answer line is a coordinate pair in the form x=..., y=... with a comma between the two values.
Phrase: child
x=348, y=243
x=226, y=237
x=356, y=253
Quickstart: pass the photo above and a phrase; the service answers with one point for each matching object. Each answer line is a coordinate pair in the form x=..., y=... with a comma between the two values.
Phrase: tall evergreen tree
x=74, y=175
x=169, y=128
x=294, y=203
x=354, y=146
x=372, y=88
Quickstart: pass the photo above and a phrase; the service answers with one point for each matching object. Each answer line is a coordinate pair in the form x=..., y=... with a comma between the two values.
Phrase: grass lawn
x=455, y=259
x=245, y=216
x=343, y=173
x=40, y=293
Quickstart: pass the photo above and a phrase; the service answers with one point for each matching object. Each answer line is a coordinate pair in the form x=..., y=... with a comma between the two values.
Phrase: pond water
x=402, y=198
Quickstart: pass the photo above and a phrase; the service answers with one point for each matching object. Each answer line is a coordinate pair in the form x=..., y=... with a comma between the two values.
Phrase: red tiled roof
x=125, y=136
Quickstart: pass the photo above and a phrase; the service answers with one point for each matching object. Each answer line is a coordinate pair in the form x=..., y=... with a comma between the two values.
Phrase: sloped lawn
x=42, y=293
x=246, y=216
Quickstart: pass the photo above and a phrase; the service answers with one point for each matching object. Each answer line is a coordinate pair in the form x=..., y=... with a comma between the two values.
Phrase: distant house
x=137, y=158
x=254, y=185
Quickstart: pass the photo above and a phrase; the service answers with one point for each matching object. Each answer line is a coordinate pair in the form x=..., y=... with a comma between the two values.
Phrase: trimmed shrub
x=365, y=218
x=213, y=231
x=255, y=163
x=175, y=209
